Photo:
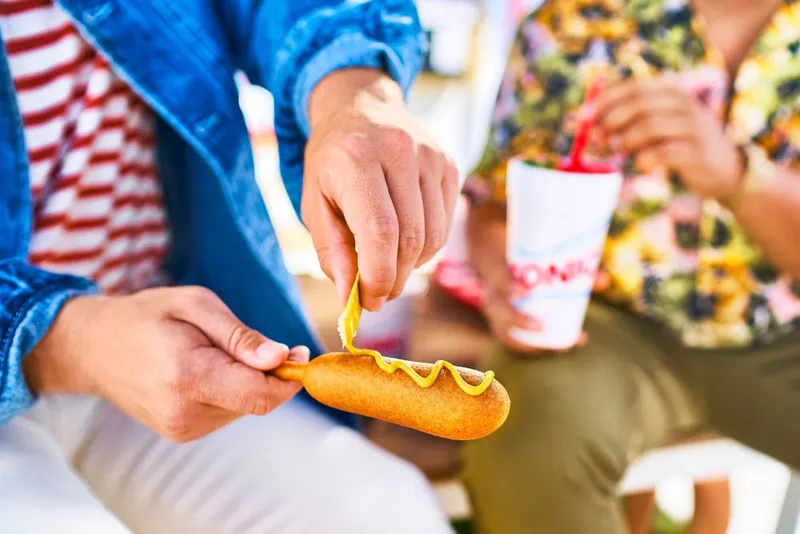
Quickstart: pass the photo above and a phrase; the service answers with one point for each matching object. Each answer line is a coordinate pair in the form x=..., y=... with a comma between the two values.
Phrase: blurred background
x=468, y=40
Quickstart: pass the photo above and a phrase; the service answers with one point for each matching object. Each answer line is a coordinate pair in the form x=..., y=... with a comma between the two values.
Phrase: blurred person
x=125, y=164
x=694, y=321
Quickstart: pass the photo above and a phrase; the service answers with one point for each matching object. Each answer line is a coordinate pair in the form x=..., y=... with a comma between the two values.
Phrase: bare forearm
x=771, y=216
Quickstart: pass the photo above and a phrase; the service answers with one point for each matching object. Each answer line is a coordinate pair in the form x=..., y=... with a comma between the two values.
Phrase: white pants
x=76, y=465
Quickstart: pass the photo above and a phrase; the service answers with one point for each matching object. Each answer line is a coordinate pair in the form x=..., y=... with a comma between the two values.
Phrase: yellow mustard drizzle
x=348, y=325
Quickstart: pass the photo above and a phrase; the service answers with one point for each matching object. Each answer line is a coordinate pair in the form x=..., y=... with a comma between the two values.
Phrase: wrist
x=351, y=87
x=486, y=240
x=54, y=366
x=755, y=171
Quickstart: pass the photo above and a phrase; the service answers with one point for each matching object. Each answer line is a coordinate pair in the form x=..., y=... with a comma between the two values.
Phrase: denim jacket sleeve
x=288, y=46
x=30, y=300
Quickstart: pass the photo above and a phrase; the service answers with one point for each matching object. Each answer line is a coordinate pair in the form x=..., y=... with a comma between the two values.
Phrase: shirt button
x=97, y=14
x=206, y=125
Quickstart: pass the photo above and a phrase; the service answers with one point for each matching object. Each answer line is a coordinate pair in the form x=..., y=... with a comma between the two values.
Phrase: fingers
x=501, y=313
x=450, y=193
x=281, y=390
x=507, y=317
x=639, y=113
x=435, y=210
x=237, y=388
x=654, y=130
x=299, y=354
x=193, y=421
x=654, y=119
x=201, y=308
x=378, y=195
x=335, y=246
x=440, y=189
x=673, y=154
x=424, y=205
x=637, y=93
x=370, y=214
x=503, y=317
x=619, y=118
x=405, y=189
x=348, y=209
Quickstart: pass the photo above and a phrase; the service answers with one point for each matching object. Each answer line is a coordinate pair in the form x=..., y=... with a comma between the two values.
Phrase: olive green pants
x=577, y=420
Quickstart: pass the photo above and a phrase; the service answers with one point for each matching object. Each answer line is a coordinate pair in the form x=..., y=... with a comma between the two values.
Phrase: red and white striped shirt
x=98, y=210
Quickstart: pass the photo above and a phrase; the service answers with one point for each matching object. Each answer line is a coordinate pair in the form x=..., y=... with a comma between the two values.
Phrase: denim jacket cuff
x=34, y=299
x=348, y=50
x=384, y=34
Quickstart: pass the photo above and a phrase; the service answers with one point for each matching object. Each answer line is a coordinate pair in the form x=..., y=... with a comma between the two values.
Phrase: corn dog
x=353, y=383
x=460, y=404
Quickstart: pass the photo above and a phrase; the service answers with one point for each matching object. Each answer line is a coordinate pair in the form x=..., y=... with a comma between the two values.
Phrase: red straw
x=574, y=163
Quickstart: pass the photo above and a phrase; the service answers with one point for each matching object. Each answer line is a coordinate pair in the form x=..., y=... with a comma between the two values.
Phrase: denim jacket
x=180, y=56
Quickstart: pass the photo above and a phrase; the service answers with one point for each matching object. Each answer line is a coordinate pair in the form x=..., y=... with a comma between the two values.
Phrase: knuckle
x=257, y=404
x=399, y=141
x=180, y=378
x=431, y=155
x=198, y=297
x=451, y=172
x=383, y=279
x=356, y=146
x=411, y=240
x=242, y=338
x=176, y=421
x=382, y=228
x=435, y=240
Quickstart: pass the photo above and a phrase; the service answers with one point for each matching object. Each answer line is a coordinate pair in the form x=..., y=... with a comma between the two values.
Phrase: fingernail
x=300, y=353
x=270, y=352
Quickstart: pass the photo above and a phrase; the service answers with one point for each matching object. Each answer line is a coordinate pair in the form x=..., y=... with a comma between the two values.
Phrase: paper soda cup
x=389, y=329
x=557, y=225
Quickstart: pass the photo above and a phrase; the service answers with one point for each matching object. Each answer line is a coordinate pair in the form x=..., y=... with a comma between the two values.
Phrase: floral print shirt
x=670, y=255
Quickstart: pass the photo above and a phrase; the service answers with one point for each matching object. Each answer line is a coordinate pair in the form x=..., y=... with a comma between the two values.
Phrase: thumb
x=204, y=310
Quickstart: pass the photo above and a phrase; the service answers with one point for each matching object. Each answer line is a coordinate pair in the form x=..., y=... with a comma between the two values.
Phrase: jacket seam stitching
x=26, y=306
